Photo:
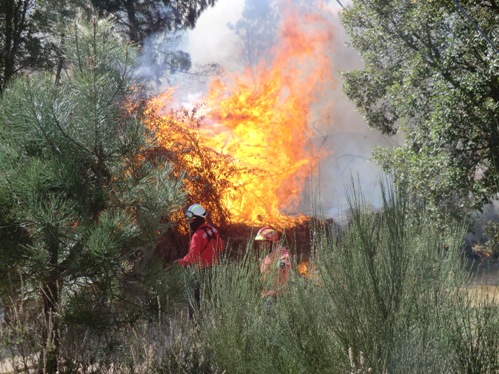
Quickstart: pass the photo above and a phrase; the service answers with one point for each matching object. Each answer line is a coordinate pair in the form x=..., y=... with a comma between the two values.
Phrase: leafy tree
x=30, y=30
x=431, y=71
x=17, y=39
x=157, y=27
x=141, y=18
x=28, y=34
x=77, y=190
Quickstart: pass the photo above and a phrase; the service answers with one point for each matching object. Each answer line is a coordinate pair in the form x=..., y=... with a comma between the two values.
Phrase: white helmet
x=195, y=210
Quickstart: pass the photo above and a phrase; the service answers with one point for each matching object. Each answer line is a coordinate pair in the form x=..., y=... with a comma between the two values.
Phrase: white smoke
x=212, y=40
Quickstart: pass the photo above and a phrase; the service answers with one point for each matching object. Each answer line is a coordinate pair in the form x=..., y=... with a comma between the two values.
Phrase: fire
x=253, y=143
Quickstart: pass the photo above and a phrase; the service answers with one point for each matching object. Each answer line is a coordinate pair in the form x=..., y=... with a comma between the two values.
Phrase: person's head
x=195, y=216
x=265, y=237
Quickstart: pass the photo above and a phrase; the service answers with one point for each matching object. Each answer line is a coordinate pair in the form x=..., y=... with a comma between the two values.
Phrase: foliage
x=205, y=172
x=28, y=38
x=142, y=18
x=76, y=184
x=432, y=74
x=31, y=32
x=389, y=295
x=388, y=298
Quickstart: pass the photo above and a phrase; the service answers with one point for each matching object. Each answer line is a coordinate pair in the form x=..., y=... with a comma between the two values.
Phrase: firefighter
x=275, y=266
x=205, y=247
x=205, y=244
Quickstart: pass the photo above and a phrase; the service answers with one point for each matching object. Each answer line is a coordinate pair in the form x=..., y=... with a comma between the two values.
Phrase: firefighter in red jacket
x=205, y=247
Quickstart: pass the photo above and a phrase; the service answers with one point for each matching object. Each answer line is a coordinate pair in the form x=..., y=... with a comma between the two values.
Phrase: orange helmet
x=267, y=234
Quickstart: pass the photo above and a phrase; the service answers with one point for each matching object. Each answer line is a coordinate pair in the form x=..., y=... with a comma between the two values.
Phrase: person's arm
x=284, y=265
x=285, y=262
x=193, y=253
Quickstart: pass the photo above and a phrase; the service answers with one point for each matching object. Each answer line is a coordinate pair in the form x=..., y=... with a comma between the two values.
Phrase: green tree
x=142, y=18
x=157, y=27
x=30, y=30
x=76, y=190
x=431, y=71
x=28, y=36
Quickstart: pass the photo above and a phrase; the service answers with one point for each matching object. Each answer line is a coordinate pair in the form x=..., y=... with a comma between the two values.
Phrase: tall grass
x=389, y=295
x=388, y=299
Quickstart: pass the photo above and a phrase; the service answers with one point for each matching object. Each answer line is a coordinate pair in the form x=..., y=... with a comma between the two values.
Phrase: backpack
x=210, y=233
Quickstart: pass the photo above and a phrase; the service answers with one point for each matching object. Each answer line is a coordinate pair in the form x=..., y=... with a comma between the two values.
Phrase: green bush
x=388, y=299
x=391, y=295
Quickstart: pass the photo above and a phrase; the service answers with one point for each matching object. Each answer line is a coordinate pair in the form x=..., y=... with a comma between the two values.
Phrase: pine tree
x=79, y=201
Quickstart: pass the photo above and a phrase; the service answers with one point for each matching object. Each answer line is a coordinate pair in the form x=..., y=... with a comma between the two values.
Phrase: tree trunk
x=50, y=296
x=133, y=24
x=14, y=19
x=50, y=335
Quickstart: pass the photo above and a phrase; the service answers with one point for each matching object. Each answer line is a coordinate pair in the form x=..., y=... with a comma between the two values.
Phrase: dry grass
x=483, y=286
x=14, y=365
x=481, y=295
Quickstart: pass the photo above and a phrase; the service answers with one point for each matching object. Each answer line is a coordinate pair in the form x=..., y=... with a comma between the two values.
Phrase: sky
x=347, y=134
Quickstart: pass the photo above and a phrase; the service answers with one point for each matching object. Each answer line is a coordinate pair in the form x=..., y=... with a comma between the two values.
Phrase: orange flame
x=260, y=128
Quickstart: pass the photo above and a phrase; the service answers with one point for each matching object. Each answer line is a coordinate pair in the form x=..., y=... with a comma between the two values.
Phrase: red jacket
x=204, y=247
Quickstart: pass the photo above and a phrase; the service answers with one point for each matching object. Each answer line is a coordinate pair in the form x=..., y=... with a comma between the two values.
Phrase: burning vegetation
x=245, y=151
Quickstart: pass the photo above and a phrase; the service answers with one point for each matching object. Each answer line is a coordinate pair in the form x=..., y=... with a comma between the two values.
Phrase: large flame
x=255, y=137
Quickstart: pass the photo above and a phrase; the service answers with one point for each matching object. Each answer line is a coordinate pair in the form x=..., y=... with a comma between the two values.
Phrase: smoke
x=226, y=36
x=351, y=140
x=212, y=41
